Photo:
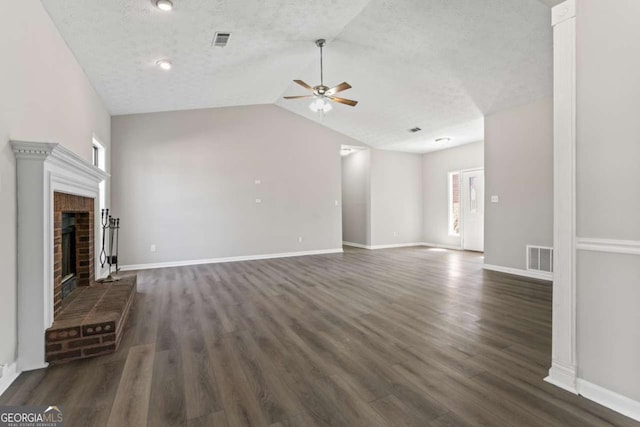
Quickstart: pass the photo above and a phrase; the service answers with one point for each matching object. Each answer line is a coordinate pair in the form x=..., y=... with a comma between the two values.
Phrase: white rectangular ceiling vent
x=220, y=39
x=540, y=258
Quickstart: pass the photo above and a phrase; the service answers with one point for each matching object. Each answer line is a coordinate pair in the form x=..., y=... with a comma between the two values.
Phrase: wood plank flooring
x=398, y=337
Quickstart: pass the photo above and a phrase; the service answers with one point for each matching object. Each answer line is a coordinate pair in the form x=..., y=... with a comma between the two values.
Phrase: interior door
x=473, y=210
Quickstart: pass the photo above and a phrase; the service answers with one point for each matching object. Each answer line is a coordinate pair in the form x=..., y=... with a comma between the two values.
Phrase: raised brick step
x=92, y=322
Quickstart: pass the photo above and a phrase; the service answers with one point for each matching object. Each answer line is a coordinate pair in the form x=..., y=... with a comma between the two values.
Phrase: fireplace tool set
x=109, y=252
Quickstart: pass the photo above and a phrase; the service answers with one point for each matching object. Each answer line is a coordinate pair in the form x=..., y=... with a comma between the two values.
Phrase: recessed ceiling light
x=443, y=140
x=165, y=64
x=164, y=5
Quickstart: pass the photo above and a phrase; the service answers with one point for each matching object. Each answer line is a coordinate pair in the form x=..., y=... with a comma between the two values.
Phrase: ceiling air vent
x=415, y=129
x=220, y=39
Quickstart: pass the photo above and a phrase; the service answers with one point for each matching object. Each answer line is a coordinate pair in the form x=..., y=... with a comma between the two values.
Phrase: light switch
x=153, y=248
x=258, y=200
x=257, y=181
x=495, y=199
x=336, y=202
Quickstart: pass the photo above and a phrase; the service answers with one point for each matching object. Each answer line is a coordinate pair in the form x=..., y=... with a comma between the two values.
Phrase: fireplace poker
x=103, y=222
x=117, y=241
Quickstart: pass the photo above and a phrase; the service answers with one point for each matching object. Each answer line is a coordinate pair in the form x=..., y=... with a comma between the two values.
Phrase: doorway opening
x=466, y=208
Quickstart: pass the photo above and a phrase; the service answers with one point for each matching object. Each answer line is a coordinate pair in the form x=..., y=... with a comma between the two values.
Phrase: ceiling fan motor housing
x=320, y=90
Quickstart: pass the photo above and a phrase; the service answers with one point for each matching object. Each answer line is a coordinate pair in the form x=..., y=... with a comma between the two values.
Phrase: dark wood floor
x=395, y=337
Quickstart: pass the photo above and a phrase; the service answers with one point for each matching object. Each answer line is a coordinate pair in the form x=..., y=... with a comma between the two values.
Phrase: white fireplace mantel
x=42, y=169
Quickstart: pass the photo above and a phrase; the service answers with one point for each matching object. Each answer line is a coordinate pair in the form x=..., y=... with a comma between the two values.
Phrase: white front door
x=473, y=210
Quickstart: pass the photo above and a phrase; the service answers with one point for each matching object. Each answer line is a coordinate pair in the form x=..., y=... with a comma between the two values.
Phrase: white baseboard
x=400, y=245
x=227, y=259
x=395, y=245
x=356, y=245
x=609, y=399
x=563, y=377
x=438, y=245
x=518, y=272
x=8, y=375
x=374, y=247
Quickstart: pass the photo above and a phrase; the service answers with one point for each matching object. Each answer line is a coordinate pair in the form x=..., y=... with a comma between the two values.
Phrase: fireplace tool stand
x=109, y=252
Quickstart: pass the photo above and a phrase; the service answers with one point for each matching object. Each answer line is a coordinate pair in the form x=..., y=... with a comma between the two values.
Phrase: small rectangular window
x=454, y=203
x=96, y=156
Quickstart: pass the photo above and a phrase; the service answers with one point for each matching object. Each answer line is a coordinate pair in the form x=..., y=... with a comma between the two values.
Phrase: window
x=454, y=203
x=96, y=154
x=99, y=161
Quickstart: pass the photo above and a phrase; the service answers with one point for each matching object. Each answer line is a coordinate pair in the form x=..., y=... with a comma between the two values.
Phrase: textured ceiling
x=437, y=64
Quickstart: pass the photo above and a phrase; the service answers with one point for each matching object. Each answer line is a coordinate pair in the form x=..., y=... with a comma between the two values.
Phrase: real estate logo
x=31, y=416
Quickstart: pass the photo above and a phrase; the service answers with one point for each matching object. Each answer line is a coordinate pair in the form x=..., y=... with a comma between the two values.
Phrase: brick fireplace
x=79, y=211
x=60, y=321
x=88, y=317
x=63, y=314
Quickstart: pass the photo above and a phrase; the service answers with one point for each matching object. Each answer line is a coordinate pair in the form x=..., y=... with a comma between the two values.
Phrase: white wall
x=396, y=198
x=184, y=181
x=608, y=194
x=519, y=169
x=436, y=168
x=356, y=201
x=46, y=97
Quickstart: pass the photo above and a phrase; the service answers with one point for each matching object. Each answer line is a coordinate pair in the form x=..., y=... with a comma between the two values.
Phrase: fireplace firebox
x=73, y=234
x=69, y=258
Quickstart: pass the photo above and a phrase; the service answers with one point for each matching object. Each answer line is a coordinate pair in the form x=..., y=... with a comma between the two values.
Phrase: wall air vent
x=540, y=259
x=415, y=129
x=220, y=39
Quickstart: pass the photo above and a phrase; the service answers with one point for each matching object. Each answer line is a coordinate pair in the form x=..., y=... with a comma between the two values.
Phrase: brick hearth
x=91, y=323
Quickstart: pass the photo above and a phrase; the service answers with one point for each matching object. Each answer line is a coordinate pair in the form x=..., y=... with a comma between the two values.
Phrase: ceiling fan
x=322, y=93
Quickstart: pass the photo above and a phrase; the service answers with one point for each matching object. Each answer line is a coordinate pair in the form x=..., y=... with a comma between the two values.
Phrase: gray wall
x=396, y=197
x=45, y=97
x=356, y=201
x=436, y=168
x=519, y=169
x=184, y=181
x=608, y=195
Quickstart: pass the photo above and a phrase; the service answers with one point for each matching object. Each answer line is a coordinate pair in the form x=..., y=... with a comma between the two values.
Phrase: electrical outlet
x=300, y=239
x=257, y=181
x=153, y=248
x=495, y=199
x=258, y=201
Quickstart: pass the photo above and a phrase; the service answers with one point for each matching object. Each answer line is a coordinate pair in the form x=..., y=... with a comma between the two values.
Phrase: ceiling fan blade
x=339, y=88
x=303, y=84
x=299, y=97
x=343, y=101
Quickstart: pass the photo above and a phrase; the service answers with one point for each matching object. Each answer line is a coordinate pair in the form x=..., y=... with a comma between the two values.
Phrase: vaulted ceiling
x=437, y=64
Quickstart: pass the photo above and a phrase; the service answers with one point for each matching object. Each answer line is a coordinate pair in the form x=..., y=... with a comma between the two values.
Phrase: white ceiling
x=437, y=64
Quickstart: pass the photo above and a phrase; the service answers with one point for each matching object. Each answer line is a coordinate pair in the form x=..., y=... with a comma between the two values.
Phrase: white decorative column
x=564, y=361
x=42, y=169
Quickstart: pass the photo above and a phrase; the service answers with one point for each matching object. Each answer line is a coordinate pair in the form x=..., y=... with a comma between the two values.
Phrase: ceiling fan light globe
x=320, y=105
x=164, y=5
